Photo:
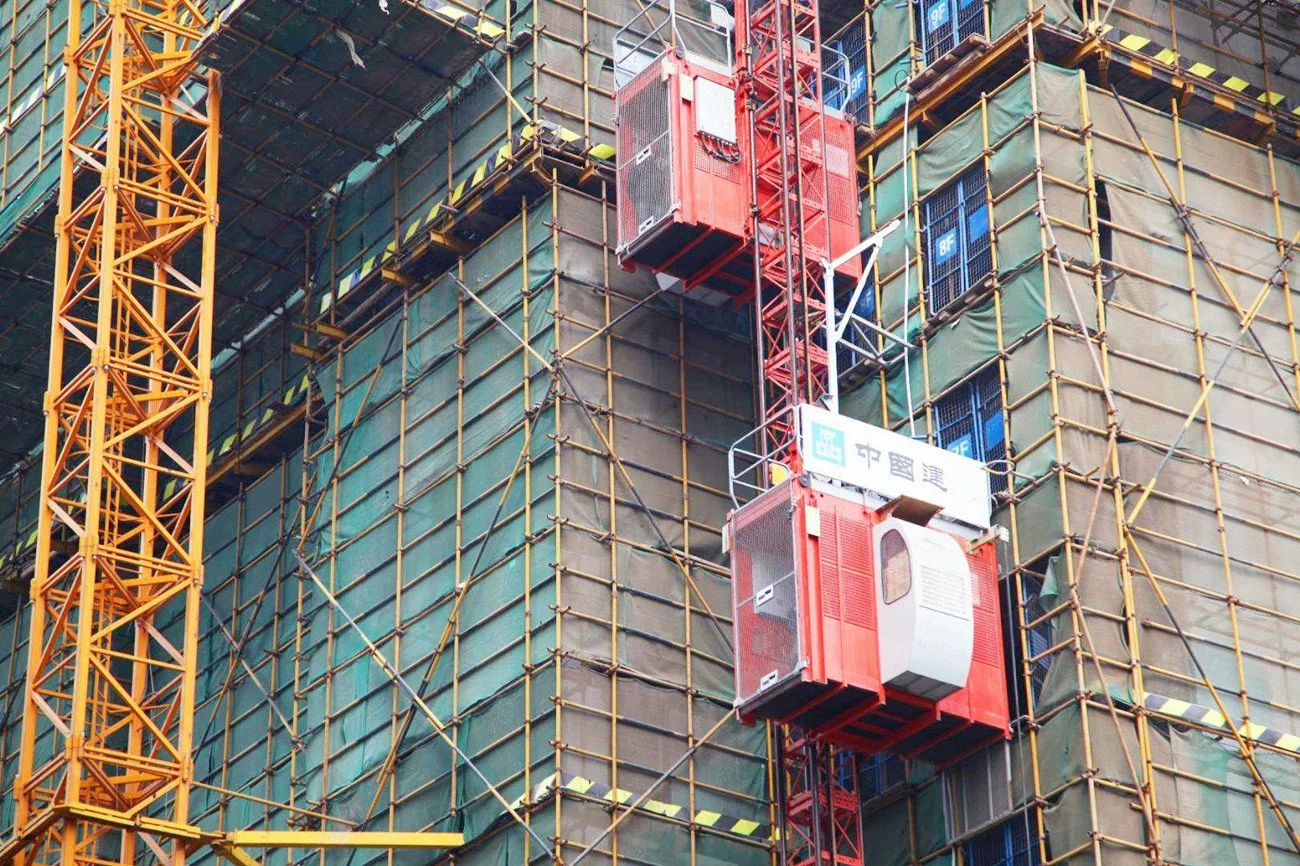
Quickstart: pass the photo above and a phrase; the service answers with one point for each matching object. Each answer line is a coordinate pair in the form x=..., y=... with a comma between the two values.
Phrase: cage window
x=895, y=566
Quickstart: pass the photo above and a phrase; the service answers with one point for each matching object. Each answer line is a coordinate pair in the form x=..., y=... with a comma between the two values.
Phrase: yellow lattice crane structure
x=108, y=713
x=108, y=708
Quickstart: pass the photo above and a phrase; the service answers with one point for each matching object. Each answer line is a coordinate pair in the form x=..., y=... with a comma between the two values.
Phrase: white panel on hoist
x=715, y=110
x=925, y=609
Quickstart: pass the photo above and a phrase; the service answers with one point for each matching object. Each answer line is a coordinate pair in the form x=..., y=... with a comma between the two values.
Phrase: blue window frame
x=946, y=23
x=1012, y=843
x=879, y=773
x=969, y=422
x=1038, y=638
x=958, y=255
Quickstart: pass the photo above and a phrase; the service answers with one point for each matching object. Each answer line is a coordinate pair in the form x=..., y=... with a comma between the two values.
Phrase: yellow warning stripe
x=1198, y=69
x=16, y=114
x=585, y=787
x=1211, y=718
x=292, y=395
x=483, y=27
x=498, y=161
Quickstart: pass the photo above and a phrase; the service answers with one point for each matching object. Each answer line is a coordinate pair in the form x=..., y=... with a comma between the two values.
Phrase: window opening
x=895, y=566
x=1038, y=639
x=878, y=774
x=1007, y=844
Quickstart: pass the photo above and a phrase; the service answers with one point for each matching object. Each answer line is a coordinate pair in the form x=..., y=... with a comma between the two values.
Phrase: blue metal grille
x=1008, y=844
x=957, y=251
x=993, y=439
x=969, y=422
x=945, y=23
x=1038, y=637
x=850, y=363
x=846, y=87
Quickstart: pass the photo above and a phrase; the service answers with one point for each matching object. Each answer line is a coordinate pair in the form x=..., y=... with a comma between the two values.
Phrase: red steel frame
x=780, y=60
x=779, y=55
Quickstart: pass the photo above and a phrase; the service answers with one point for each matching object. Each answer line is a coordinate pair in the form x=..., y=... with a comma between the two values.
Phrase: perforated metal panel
x=856, y=561
x=645, y=161
x=766, y=595
x=984, y=594
x=846, y=568
x=841, y=180
x=830, y=571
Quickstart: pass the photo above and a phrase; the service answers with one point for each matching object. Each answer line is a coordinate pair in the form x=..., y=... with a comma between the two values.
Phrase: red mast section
x=800, y=174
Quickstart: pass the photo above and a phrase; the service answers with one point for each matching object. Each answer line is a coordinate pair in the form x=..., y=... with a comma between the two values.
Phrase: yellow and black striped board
x=583, y=787
x=489, y=169
x=1210, y=718
x=476, y=22
x=1254, y=95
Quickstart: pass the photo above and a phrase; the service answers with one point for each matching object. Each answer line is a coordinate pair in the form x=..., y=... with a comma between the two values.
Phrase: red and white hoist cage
x=807, y=632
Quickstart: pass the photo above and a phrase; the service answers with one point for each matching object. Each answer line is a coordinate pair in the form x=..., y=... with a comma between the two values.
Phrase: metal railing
x=749, y=471
x=700, y=30
x=835, y=78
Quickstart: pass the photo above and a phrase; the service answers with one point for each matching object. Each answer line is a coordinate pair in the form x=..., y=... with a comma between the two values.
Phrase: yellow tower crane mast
x=106, y=758
x=108, y=709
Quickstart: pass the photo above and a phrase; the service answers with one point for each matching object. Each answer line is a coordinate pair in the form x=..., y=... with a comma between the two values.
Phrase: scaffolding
x=1142, y=338
x=500, y=452
x=455, y=479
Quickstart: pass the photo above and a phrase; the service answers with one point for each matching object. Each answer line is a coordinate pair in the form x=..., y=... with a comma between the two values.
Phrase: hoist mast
x=779, y=61
x=779, y=67
x=734, y=178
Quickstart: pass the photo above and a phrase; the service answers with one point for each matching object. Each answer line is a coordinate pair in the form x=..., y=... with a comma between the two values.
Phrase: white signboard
x=892, y=465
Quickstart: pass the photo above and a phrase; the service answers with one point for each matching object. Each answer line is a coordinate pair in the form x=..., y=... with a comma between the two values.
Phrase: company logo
x=828, y=444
